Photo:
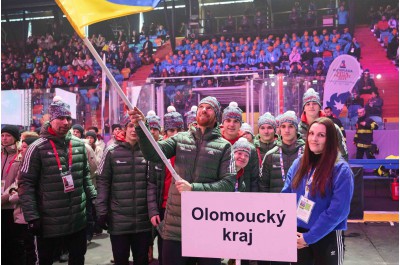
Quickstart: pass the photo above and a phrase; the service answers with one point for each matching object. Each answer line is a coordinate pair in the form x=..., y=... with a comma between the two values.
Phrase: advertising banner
x=342, y=75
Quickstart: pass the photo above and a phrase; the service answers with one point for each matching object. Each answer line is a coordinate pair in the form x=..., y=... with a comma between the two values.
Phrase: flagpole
x=130, y=106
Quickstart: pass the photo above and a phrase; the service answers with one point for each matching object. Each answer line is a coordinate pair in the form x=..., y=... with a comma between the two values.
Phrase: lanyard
x=308, y=183
x=259, y=156
x=12, y=161
x=281, y=161
x=58, y=158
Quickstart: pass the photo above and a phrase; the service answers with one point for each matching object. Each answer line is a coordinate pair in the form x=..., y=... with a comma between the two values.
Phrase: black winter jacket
x=42, y=193
x=122, y=189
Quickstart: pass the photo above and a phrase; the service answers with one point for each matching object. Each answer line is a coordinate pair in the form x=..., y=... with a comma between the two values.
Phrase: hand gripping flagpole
x=130, y=106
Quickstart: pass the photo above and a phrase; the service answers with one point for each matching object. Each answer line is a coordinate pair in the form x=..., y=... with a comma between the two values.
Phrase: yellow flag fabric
x=81, y=13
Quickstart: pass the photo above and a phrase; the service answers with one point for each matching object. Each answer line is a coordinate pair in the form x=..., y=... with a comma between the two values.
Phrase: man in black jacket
x=55, y=182
x=122, y=201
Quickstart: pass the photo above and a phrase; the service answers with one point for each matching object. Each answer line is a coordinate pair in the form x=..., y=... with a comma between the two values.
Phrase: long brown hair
x=322, y=163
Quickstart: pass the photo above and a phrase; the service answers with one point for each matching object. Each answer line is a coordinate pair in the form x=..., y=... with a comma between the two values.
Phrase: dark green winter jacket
x=271, y=179
x=122, y=189
x=42, y=193
x=205, y=161
x=262, y=148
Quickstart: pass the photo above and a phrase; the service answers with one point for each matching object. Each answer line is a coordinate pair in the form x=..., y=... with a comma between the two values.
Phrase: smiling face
x=312, y=109
x=231, y=128
x=241, y=159
x=205, y=116
x=317, y=138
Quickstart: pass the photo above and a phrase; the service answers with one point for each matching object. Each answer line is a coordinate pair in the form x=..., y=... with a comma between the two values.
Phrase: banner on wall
x=342, y=75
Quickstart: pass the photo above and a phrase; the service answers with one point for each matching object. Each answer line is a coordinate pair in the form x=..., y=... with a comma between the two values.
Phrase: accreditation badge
x=68, y=182
x=304, y=209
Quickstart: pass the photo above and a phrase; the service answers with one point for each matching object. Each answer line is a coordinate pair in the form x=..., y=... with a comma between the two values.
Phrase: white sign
x=12, y=107
x=69, y=98
x=253, y=226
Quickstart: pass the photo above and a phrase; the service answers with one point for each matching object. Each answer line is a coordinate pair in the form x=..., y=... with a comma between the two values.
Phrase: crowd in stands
x=385, y=25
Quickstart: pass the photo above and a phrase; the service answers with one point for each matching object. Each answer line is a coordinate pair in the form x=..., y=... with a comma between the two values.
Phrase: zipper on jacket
x=197, y=155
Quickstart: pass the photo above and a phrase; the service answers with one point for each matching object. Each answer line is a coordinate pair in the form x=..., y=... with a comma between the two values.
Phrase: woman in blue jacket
x=323, y=182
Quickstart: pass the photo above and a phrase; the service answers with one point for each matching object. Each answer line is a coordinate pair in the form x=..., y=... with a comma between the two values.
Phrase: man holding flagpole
x=203, y=160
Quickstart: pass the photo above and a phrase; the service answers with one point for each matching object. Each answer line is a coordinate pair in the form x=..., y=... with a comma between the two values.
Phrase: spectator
x=366, y=84
x=374, y=105
x=10, y=137
x=364, y=135
x=323, y=179
x=25, y=249
x=115, y=130
x=148, y=47
x=381, y=27
x=353, y=49
x=67, y=221
x=258, y=23
x=342, y=18
x=329, y=114
x=393, y=44
x=229, y=24
x=218, y=177
x=122, y=201
x=208, y=22
x=294, y=17
x=244, y=24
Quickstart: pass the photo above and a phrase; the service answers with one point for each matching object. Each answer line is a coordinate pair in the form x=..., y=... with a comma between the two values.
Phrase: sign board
x=235, y=225
x=13, y=108
x=69, y=98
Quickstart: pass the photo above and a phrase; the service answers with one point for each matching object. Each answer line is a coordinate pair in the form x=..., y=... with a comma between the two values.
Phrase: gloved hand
x=35, y=227
x=102, y=222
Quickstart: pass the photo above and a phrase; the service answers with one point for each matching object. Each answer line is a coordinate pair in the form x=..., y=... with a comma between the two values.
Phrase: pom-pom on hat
x=247, y=128
x=311, y=96
x=58, y=109
x=242, y=145
x=13, y=130
x=267, y=118
x=232, y=112
x=289, y=116
x=172, y=119
x=214, y=103
x=191, y=116
x=153, y=120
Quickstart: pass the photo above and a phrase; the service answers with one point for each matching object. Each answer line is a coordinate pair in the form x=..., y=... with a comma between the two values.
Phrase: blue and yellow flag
x=81, y=13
